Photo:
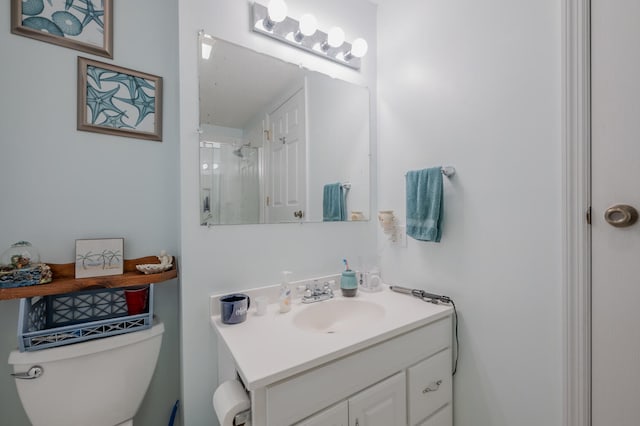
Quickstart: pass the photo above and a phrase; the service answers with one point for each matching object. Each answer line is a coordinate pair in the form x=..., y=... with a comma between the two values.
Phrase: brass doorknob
x=621, y=215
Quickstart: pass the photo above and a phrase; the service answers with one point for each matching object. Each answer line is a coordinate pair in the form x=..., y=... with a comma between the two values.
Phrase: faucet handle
x=302, y=289
x=328, y=288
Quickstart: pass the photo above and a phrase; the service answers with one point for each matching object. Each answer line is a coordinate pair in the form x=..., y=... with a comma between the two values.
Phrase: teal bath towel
x=333, y=203
x=424, y=204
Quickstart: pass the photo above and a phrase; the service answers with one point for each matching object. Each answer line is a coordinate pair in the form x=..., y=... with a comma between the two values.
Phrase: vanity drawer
x=444, y=417
x=289, y=401
x=429, y=386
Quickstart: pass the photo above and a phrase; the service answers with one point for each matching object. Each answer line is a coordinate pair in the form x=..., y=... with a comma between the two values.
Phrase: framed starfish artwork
x=119, y=101
x=85, y=25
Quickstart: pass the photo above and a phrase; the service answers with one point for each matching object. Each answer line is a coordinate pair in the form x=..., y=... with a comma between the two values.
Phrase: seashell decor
x=166, y=263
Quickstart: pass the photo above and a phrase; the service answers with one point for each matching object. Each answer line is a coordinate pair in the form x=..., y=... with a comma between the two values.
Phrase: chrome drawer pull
x=433, y=386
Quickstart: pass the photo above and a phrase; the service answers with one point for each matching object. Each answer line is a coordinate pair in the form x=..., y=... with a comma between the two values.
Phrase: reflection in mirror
x=278, y=143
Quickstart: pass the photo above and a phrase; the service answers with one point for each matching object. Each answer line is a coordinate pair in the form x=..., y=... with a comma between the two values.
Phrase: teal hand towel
x=424, y=204
x=333, y=203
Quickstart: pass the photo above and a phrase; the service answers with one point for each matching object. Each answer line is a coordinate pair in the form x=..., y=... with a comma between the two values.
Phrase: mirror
x=278, y=143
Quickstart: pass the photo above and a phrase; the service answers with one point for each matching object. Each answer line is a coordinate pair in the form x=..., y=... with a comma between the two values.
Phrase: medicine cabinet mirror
x=273, y=135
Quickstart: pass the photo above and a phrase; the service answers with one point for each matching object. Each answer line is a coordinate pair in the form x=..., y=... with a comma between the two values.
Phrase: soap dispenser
x=285, y=292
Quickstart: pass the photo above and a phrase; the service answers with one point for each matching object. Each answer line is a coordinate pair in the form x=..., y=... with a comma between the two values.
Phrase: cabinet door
x=383, y=404
x=444, y=417
x=338, y=415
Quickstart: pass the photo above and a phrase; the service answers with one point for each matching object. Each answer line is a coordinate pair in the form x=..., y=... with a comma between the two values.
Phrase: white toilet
x=98, y=382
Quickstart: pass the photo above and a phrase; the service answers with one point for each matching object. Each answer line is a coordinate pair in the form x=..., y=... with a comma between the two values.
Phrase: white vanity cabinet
x=402, y=380
x=397, y=373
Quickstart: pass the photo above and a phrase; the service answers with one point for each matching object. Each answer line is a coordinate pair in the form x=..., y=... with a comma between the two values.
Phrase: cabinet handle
x=433, y=386
x=357, y=422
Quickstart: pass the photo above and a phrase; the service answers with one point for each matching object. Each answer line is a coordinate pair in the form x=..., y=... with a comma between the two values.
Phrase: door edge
x=576, y=195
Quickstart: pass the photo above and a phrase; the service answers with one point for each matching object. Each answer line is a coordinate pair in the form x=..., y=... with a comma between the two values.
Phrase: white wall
x=226, y=258
x=477, y=85
x=59, y=184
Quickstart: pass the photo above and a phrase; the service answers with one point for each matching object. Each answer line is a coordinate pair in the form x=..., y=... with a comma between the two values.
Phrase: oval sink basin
x=337, y=315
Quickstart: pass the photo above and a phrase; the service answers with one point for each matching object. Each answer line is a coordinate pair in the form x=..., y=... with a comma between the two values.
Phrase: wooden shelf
x=64, y=280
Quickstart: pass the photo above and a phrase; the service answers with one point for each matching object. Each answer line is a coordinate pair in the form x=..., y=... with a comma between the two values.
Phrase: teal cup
x=348, y=283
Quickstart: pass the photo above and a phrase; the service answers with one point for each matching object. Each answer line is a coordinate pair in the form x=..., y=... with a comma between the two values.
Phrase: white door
x=384, y=404
x=287, y=173
x=615, y=58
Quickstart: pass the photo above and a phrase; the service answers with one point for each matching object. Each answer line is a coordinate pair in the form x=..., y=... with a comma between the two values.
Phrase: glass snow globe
x=20, y=255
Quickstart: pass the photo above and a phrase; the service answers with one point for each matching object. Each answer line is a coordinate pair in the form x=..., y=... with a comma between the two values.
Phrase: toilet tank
x=99, y=382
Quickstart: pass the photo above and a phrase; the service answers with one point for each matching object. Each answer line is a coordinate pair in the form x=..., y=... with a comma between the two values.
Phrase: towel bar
x=448, y=171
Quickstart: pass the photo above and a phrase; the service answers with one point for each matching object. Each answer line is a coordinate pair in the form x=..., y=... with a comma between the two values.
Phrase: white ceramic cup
x=261, y=304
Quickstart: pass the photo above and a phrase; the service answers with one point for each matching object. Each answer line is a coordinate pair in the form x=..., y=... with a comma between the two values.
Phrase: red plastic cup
x=136, y=300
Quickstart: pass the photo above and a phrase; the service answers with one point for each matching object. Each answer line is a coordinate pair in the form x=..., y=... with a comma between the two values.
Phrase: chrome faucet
x=315, y=293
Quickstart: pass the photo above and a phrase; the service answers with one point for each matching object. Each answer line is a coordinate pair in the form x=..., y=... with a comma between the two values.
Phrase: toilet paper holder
x=242, y=418
x=231, y=404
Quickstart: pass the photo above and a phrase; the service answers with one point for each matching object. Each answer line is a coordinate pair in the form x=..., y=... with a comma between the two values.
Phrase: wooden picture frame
x=99, y=257
x=85, y=25
x=119, y=101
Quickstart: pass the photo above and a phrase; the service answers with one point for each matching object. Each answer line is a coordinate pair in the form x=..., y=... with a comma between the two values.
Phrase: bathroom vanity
x=375, y=359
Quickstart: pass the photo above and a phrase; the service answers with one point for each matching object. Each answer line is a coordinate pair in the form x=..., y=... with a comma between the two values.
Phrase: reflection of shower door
x=249, y=189
x=287, y=174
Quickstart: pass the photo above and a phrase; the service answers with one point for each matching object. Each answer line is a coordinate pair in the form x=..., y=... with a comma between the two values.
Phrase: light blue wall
x=58, y=184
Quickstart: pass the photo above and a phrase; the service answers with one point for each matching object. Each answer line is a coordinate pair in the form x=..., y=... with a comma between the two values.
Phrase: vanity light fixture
x=308, y=27
x=335, y=39
x=358, y=49
x=272, y=21
x=276, y=13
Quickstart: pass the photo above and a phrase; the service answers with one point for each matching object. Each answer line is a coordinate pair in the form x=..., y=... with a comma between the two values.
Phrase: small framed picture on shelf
x=99, y=257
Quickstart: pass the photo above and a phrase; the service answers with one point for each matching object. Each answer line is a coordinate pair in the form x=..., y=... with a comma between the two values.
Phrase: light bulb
x=359, y=47
x=335, y=38
x=308, y=24
x=277, y=10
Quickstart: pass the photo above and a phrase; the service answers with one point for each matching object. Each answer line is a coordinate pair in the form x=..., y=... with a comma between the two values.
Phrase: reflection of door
x=615, y=180
x=287, y=162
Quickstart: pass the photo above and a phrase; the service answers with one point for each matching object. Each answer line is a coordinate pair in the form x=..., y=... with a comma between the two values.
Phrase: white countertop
x=270, y=347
